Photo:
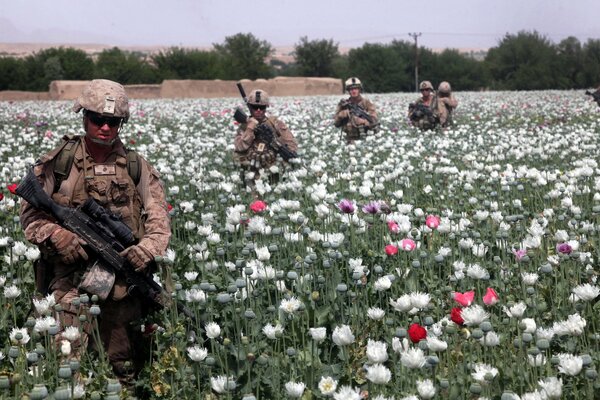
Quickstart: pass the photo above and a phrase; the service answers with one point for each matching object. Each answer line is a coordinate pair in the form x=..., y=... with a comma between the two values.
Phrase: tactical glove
x=138, y=256
x=251, y=123
x=68, y=245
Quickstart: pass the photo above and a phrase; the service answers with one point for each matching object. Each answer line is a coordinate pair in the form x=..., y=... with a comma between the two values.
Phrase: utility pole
x=415, y=36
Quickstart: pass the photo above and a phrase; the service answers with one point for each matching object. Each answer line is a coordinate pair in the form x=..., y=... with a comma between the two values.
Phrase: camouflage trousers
x=117, y=327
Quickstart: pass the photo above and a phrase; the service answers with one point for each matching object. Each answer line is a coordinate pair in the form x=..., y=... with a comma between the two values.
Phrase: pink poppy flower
x=393, y=227
x=519, y=253
x=432, y=221
x=258, y=206
x=464, y=299
x=491, y=297
x=391, y=250
x=408, y=244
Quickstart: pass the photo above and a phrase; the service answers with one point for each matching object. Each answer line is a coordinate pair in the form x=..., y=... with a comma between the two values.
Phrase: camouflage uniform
x=143, y=208
x=349, y=124
x=445, y=104
x=255, y=156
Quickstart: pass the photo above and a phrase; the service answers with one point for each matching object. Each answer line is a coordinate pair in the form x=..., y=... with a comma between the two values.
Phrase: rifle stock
x=100, y=241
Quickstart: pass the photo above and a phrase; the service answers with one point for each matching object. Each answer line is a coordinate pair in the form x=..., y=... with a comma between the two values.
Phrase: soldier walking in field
x=98, y=166
x=257, y=141
x=355, y=115
x=446, y=103
x=423, y=112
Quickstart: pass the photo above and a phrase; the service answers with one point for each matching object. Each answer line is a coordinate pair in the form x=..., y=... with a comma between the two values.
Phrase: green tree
x=379, y=67
x=315, y=57
x=591, y=63
x=526, y=61
x=245, y=57
x=178, y=63
x=57, y=63
x=462, y=72
x=13, y=74
x=125, y=68
x=570, y=63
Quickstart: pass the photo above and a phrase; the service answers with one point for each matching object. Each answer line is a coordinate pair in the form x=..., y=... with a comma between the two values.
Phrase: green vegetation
x=522, y=61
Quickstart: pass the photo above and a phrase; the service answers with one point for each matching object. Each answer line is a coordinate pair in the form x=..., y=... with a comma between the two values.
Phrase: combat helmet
x=258, y=97
x=444, y=88
x=104, y=97
x=353, y=82
x=425, y=85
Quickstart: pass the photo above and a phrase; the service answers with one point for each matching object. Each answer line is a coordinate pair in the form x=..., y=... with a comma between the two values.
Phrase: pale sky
x=350, y=23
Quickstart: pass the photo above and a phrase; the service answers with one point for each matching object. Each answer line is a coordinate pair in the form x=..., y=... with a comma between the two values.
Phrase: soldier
x=97, y=165
x=355, y=115
x=423, y=112
x=252, y=142
x=446, y=103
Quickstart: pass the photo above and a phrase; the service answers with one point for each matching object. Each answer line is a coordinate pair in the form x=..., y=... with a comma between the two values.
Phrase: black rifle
x=106, y=236
x=357, y=111
x=263, y=132
x=419, y=110
x=595, y=95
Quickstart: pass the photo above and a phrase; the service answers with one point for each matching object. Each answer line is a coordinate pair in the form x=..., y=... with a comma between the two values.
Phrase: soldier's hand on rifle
x=68, y=245
x=138, y=256
x=344, y=114
x=251, y=123
x=361, y=121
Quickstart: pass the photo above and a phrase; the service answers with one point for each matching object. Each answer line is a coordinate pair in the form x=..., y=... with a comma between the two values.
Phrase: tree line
x=522, y=61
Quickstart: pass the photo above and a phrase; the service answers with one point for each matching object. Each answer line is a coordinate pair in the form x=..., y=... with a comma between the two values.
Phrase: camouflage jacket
x=349, y=123
x=445, y=106
x=143, y=207
x=250, y=151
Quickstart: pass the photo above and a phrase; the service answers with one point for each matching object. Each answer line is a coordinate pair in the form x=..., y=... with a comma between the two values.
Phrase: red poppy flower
x=12, y=188
x=169, y=207
x=1, y=196
x=416, y=333
x=391, y=250
x=456, y=317
x=258, y=206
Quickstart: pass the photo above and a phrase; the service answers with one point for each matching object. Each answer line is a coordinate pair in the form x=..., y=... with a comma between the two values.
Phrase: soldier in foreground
x=355, y=115
x=446, y=103
x=98, y=166
x=423, y=112
x=259, y=141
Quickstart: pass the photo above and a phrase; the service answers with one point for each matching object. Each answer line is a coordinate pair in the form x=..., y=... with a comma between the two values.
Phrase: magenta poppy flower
x=371, y=208
x=346, y=206
x=519, y=253
x=564, y=248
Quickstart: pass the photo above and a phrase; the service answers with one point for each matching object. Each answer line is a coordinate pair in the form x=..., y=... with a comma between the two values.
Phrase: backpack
x=64, y=162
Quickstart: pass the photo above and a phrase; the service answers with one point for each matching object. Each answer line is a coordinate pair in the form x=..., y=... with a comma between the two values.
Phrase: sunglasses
x=100, y=120
x=258, y=107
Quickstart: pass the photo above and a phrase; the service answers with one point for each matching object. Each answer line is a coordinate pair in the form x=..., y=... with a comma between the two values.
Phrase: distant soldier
x=595, y=95
x=446, y=103
x=355, y=115
x=253, y=151
x=423, y=112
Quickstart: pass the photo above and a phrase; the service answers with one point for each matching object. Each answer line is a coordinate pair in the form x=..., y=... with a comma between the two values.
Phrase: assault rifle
x=357, y=111
x=419, y=110
x=106, y=236
x=595, y=95
x=263, y=132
